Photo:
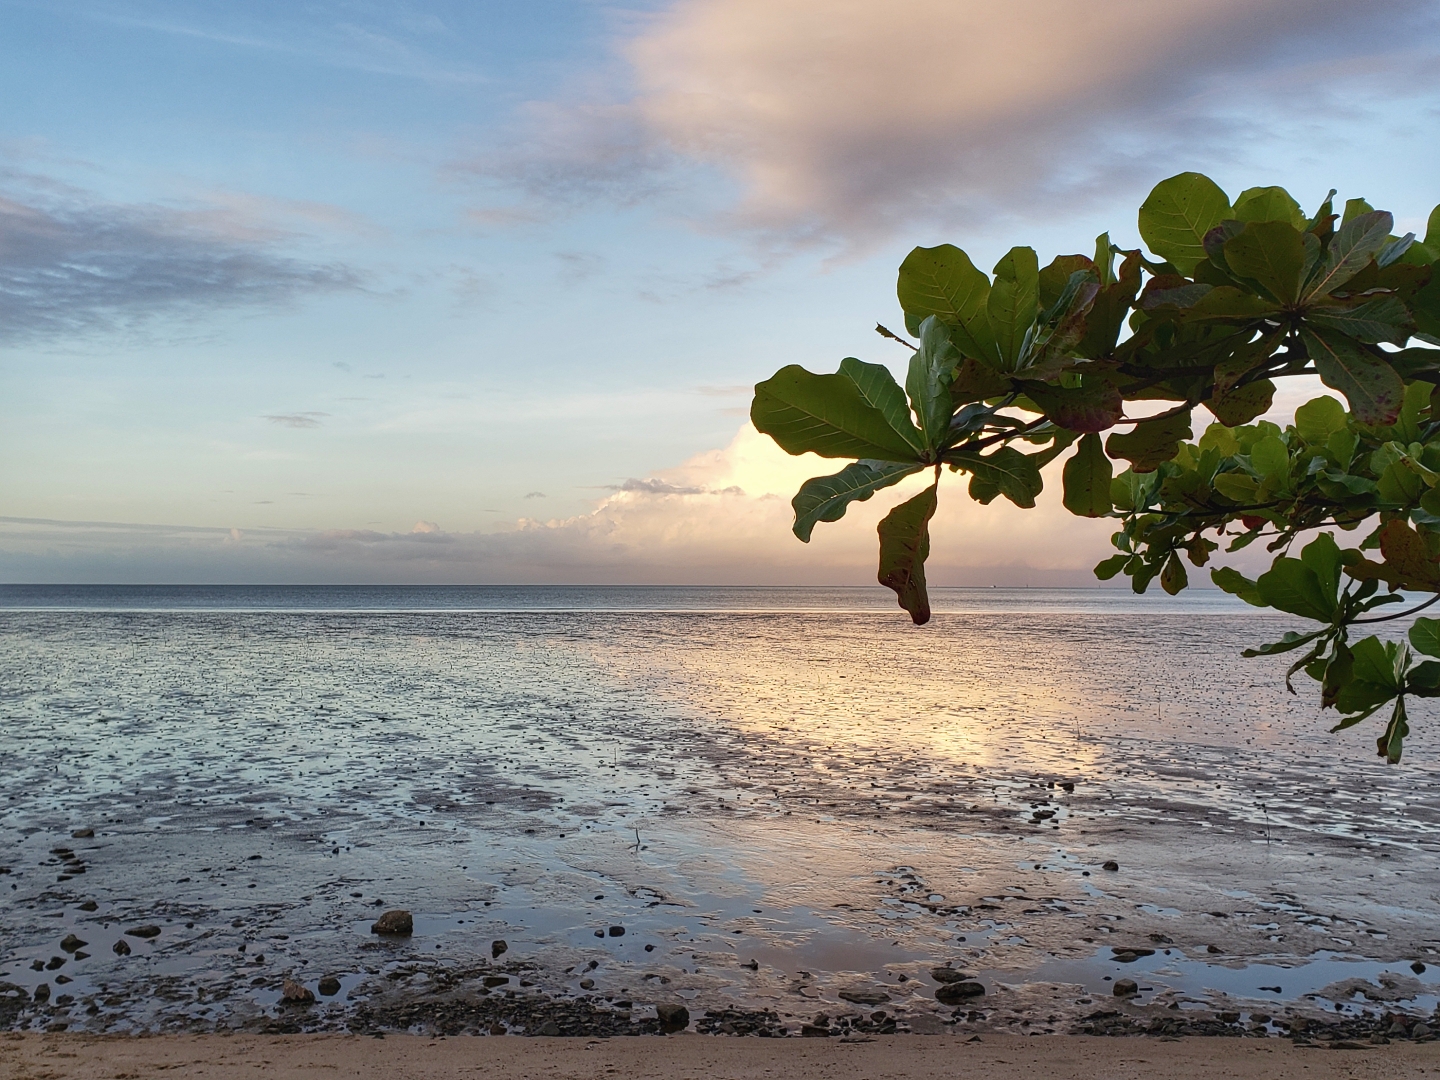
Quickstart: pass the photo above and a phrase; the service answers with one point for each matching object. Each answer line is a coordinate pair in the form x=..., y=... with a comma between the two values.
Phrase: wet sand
x=1002, y=1057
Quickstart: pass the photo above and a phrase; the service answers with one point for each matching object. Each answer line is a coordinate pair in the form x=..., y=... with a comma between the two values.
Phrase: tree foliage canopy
x=1108, y=362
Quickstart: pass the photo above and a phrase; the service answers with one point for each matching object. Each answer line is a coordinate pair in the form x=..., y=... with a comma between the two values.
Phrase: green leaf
x=1384, y=318
x=1372, y=387
x=825, y=498
x=879, y=389
x=1230, y=303
x=1354, y=208
x=1013, y=303
x=1006, y=472
x=1358, y=241
x=1176, y=216
x=928, y=383
x=1375, y=663
x=1151, y=442
x=1271, y=253
x=1322, y=556
x=1425, y=636
x=1094, y=405
x=904, y=547
x=1173, y=577
x=1269, y=204
x=1289, y=642
x=1319, y=418
x=942, y=281
x=825, y=415
x=1087, y=479
x=1106, y=569
x=1270, y=456
x=1104, y=261
x=1237, y=584
x=1391, y=745
x=1292, y=586
x=1055, y=279
x=1240, y=405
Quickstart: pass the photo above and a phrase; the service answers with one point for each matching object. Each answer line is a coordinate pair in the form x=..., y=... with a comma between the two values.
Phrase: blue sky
x=473, y=292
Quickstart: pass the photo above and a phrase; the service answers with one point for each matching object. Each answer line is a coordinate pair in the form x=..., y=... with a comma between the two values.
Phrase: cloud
x=71, y=263
x=847, y=119
x=297, y=420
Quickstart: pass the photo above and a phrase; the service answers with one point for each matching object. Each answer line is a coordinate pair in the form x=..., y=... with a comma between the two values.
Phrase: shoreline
x=994, y=1057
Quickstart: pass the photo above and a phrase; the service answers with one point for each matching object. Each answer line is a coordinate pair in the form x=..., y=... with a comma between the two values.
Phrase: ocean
x=765, y=804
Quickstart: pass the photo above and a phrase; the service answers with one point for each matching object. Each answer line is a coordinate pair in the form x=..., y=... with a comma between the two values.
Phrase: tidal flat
x=787, y=812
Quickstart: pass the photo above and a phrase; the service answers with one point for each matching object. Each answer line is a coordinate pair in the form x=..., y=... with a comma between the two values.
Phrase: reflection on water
x=783, y=793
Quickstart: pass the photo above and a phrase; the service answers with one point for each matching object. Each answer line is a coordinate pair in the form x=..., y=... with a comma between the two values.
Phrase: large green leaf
x=942, y=281
x=1371, y=385
x=1087, y=479
x=1240, y=405
x=1425, y=636
x=1319, y=418
x=1358, y=241
x=1176, y=216
x=928, y=382
x=1151, y=442
x=904, y=547
x=1055, y=278
x=878, y=388
x=825, y=415
x=825, y=498
x=1290, y=585
x=1095, y=405
x=1385, y=318
x=1270, y=253
x=1322, y=556
x=1013, y=303
x=1237, y=584
x=1005, y=472
x=1269, y=204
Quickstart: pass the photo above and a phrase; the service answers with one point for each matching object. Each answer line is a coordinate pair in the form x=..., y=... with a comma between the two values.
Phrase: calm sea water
x=784, y=793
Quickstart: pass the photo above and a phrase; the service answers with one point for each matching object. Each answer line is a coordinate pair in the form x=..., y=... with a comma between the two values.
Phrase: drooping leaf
x=1237, y=584
x=1242, y=404
x=942, y=281
x=825, y=415
x=1358, y=241
x=1270, y=253
x=1087, y=479
x=1384, y=318
x=1013, y=303
x=825, y=498
x=1054, y=278
x=1425, y=636
x=928, y=382
x=1269, y=204
x=1391, y=745
x=1111, y=305
x=1371, y=385
x=1292, y=586
x=1176, y=216
x=879, y=389
x=1319, y=418
x=1151, y=442
x=1095, y=405
x=1408, y=564
x=1322, y=556
x=1005, y=472
x=1173, y=578
x=1228, y=302
x=1104, y=261
x=904, y=547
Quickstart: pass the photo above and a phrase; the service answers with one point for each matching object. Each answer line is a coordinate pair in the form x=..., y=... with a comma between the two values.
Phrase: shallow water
x=794, y=779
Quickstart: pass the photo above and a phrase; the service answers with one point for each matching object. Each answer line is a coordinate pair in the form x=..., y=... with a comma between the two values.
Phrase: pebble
x=617, y=931
x=82, y=834
x=1420, y=1030
x=549, y=1028
x=122, y=948
x=948, y=975
x=862, y=996
x=42, y=992
x=672, y=1017
x=495, y=980
x=296, y=994
x=71, y=943
x=329, y=986
x=88, y=905
x=144, y=931
x=1126, y=988
x=1110, y=864
x=498, y=947
x=398, y=921
x=953, y=993
x=1418, y=967
x=587, y=984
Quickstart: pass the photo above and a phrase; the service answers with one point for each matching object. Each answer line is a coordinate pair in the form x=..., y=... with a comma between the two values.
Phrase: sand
x=692, y=1057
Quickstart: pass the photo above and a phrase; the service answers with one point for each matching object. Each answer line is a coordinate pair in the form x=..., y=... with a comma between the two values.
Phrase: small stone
x=617, y=931
x=814, y=1031
x=672, y=1017
x=498, y=947
x=1259, y=1018
x=1110, y=864
x=550, y=1027
x=144, y=931
x=497, y=1029
x=42, y=992
x=587, y=984
x=863, y=996
x=495, y=980
x=71, y=943
x=56, y=962
x=398, y=921
x=122, y=948
x=649, y=948
x=1126, y=988
x=1212, y=949
x=948, y=975
x=1418, y=967
x=329, y=986
x=1420, y=1030
x=294, y=993
x=88, y=905
x=82, y=834
x=956, y=992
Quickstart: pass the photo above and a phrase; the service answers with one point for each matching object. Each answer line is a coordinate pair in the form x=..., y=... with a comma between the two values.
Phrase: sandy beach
x=81, y=1057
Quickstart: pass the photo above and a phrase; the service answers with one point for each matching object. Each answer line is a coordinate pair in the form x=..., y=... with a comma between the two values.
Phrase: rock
x=498, y=947
x=1418, y=967
x=329, y=986
x=649, y=948
x=1110, y=864
x=1128, y=955
x=1420, y=1030
x=862, y=996
x=617, y=931
x=144, y=931
x=122, y=948
x=1259, y=1018
x=957, y=992
x=948, y=975
x=293, y=993
x=550, y=1027
x=1126, y=988
x=1068, y=785
x=495, y=980
x=88, y=905
x=71, y=943
x=497, y=1029
x=397, y=921
x=1161, y=939
x=672, y=1017
x=82, y=834
x=42, y=992
x=813, y=1031
x=587, y=984
x=55, y=962
x=1212, y=949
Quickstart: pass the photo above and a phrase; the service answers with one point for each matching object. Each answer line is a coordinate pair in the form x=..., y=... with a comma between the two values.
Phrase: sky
x=466, y=291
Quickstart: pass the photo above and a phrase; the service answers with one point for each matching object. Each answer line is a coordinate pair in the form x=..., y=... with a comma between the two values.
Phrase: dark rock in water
x=1124, y=954
x=498, y=947
x=1110, y=864
x=329, y=986
x=587, y=984
x=1418, y=967
x=862, y=996
x=1212, y=949
x=144, y=931
x=550, y=1027
x=293, y=993
x=495, y=980
x=1068, y=785
x=617, y=931
x=1126, y=988
x=88, y=905
x=672, y=1017
x=71, y=943
x=599, y=933
x=948, y=975
x=56, y=962
x=122, y=948
x=82, y=955
x=82, y=834
x=399, y=921
x=651, y=948
x=956, y=992
x=42, y=992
